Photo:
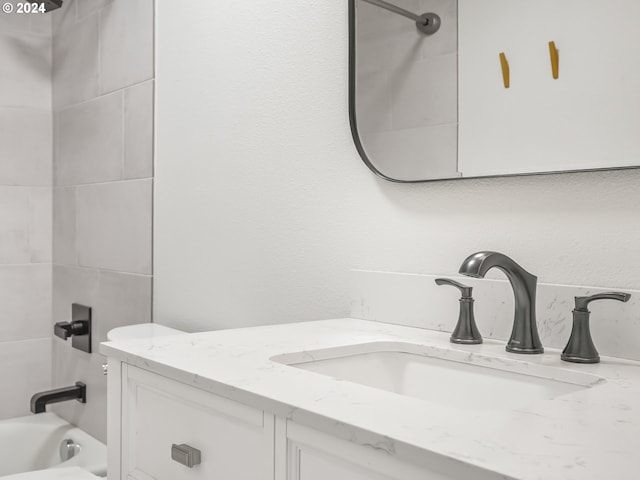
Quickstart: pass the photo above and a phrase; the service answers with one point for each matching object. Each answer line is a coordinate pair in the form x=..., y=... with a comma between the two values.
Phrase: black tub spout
x=40, y=400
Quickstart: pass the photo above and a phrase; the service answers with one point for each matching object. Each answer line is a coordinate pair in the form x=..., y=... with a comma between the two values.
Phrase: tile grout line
x=123, y=155
x=99, y=53
x=75, y=225
x=99, y=96
x=106, y=182
x=100, y=269
x=24, y=340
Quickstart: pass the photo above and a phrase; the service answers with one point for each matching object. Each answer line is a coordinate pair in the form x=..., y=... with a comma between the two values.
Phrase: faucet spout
x=524, y=335
x=40, y=400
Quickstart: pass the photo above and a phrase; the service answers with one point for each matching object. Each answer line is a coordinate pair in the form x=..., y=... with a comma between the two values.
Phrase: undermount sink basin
x=454, y=378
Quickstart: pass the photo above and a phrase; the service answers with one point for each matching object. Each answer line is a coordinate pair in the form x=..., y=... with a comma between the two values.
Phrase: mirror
x=503, y=87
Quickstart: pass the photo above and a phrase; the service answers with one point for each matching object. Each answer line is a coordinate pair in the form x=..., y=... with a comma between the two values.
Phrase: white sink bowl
x=454, y=378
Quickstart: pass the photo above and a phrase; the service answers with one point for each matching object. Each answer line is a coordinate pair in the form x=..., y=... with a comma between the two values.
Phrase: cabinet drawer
x=158, y=413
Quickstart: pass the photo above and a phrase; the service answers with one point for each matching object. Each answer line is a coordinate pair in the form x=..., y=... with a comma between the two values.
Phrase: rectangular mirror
x=444, y=89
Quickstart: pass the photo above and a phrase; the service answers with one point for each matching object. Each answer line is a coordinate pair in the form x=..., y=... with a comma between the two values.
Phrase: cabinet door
x=313, y=464
x=313, y=455
x=235, y=441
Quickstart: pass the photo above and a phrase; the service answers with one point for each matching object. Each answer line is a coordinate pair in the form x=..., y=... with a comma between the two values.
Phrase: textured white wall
x=263, y=205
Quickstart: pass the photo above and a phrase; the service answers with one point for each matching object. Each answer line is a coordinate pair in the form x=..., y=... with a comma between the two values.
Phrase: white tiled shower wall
x=25, y=211
x=76, y=170
x=103, y=91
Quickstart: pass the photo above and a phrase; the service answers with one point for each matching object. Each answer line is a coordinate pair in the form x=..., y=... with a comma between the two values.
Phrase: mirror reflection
x=501, y=87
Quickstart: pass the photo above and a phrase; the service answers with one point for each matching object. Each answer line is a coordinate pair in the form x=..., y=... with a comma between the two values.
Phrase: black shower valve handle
x=65, y=330
x=62, y=330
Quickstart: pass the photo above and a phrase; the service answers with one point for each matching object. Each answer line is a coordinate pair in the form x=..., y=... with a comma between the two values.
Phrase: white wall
x=263, y=205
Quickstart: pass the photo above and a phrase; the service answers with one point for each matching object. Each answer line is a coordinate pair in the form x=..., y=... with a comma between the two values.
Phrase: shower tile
x=64, y=225
x=373, y=102
x=126, y=44
x=75, y=63
x=117, y=299
x=13, y=21
x=87, y=7
x=394, y=153
x=373, y=56
x=40, y=225
x=26, y=302
x=425, y=93
x=14, y=225
x=114, y=226
x=73, y=285
x=70, y=366
x=25, y=146
x=25, y=366
x=124, y=299
x=374, y=21
x=90, y=144
x=65, y=17
x=25, y=225
x=42, y=24
x=25, y=70
x=138, y=131
x=445, y=41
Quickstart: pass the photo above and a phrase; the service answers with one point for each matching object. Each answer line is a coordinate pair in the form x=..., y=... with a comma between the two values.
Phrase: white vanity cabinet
x=227, y=394
x=235, y=441
x=149, y=414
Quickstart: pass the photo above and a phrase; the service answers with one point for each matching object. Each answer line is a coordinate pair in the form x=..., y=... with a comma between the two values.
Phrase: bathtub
x=32, y=443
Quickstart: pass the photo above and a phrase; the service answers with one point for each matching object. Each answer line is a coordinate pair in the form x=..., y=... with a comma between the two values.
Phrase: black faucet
x=40, y=400
x=524, y=336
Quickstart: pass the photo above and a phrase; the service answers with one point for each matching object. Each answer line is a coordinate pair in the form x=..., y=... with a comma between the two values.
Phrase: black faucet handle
x=466, y=331
x=583, y=302
x=62, y=330
x=580, y=347
x=465, y=290
x=65, y=330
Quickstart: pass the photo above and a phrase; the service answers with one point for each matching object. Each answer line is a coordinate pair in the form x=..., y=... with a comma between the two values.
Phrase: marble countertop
x=589, y=434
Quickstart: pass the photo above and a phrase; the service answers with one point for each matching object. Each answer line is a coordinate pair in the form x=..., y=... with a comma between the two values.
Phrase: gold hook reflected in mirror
x=505, y=70
x=555, y=60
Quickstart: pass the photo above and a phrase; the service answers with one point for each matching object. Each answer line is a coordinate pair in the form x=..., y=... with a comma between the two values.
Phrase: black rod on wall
x=427, y=23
